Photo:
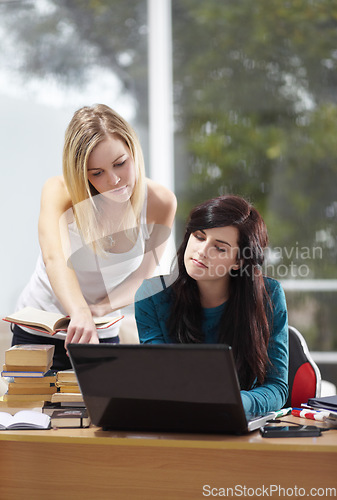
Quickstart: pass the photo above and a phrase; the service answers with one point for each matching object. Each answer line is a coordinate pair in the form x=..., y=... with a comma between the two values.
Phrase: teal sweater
x=153, y=304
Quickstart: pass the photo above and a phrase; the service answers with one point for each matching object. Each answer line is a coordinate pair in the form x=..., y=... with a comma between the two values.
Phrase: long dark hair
x=245, y=323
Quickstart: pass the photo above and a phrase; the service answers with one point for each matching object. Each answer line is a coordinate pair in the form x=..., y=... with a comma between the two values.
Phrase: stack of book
x=32, y=385
x=67, y=407
x=27, y=371
x=66, y=381
x=69, y=393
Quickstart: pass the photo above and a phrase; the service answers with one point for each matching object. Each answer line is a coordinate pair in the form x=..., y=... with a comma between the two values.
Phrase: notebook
x=166, y=388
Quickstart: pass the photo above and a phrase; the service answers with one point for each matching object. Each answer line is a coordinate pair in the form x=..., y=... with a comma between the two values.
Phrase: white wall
x=31, y=141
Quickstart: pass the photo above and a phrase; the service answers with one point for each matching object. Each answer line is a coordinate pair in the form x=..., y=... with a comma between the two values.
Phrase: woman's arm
x=55, y=201
x=161, y=209
x=273, y=393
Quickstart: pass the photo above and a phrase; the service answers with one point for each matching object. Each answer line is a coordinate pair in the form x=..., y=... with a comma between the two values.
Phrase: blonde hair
x=88, y=127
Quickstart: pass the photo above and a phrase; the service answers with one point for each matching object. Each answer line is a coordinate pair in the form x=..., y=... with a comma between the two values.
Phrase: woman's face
x=111, y=169
x=211, y=253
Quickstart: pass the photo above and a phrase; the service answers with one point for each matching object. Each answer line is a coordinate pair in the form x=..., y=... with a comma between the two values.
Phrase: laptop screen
x=166, y=387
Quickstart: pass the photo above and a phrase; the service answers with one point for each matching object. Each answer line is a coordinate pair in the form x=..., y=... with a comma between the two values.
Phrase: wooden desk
x=90, y=463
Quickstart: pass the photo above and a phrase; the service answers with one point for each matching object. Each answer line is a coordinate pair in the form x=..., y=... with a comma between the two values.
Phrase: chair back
x=304, y=375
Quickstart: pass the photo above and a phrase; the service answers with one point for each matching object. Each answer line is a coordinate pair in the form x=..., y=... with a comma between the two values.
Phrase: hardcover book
x=47, y=380
x=29, y=356
x=14, y=388
x=24, y=373
x=27, y=368
x=74, y=389
x=70, y=417
x=67, y=397
x=14, y=407
x=66, y=376
x=23, y=398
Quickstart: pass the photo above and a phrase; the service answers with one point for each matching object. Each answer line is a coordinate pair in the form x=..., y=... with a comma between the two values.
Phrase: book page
x=33, y=418
x=32, y=316
x=5, y=419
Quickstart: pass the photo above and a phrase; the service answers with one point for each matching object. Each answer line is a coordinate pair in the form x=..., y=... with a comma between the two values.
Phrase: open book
x=24, y=419
x=51, y=322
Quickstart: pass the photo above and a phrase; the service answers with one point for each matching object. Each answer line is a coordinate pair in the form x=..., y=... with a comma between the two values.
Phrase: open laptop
x=166, y=387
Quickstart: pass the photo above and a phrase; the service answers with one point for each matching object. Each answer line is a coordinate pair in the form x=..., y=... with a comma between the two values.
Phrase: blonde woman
x=102, y=228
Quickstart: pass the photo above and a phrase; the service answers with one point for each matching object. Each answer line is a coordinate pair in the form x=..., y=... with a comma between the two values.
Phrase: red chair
x=304, y=375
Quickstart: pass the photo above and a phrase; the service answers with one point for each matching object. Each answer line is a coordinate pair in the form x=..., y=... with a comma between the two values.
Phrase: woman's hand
x=81, y=329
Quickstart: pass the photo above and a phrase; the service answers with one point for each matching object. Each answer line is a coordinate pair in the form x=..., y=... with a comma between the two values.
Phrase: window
x=256, y=115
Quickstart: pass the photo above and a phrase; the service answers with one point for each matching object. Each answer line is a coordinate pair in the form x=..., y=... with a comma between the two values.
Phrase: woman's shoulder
x=157, y=287
x=55, y=193
x=161, y=203
x=274, y=289
x=56, y=182
x=56, y=187
x=271, y=283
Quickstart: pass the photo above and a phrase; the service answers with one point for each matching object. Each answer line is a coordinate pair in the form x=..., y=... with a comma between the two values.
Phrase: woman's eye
x=221, y=249
x=120, y=164
x=96, y=174
x=199, y=236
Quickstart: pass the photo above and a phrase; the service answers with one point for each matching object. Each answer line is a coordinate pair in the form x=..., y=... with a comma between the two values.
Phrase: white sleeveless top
x=97, y=276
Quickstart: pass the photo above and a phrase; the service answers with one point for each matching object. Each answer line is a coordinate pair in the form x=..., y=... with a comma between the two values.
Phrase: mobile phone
x=273, y=431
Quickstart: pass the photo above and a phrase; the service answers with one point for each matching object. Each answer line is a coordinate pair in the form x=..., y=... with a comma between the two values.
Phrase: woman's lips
x=199, y=264
x=119, y=190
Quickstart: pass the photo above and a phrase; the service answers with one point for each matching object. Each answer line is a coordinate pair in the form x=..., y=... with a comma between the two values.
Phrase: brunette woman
x=221, y=296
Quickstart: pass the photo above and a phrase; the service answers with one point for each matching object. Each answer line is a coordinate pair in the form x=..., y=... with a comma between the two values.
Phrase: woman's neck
x=111, y=208
x=213, y=294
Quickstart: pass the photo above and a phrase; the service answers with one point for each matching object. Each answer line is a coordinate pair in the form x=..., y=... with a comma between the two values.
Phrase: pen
x=281, y=413
x=311, y=414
